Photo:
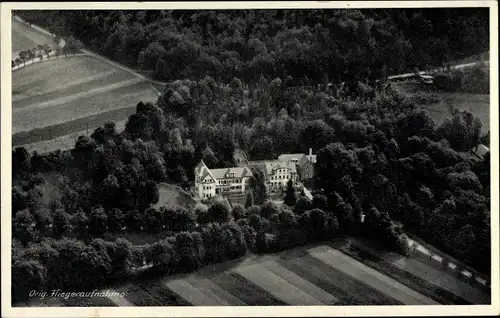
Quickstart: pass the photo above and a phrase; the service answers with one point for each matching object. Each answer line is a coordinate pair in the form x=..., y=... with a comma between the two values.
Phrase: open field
x=24, y=37
x=172, y=195
x=336, y=273
x=64, y=142
x=56, y=101
x=477, y=104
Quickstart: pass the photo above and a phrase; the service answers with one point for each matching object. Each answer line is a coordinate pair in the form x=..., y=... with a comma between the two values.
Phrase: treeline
x=193, y=238
x=319, y=45
x=475, y=80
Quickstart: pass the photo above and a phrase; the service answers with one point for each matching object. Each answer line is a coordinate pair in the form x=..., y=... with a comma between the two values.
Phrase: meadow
x=443, y=103
x=344, y=272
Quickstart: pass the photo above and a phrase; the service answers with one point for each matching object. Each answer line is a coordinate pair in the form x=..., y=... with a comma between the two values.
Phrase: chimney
x=310, y=152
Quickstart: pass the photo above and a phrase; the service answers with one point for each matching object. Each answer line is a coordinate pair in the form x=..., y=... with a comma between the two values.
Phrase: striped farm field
x=335, y=273
x=56, y=101
x=61, y=99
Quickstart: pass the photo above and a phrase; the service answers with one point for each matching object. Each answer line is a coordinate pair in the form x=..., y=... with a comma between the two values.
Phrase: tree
x=153, y=219
x=80, y=223
x=320, y=201
x=61, y=223
x=116, y=220
x=183, y=219
x=219, y=212
x=27, y=275
x=239, y=211
x=344, y=213
x=262, y=148
x=98, y=221
x=259, y=188
x=302, y=205
x=249, y=199
x=268, y=209
x=463, y=131
x=24, y=227
x=290, y=196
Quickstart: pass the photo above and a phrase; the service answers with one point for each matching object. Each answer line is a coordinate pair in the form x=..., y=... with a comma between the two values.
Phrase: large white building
x=212, y=182
x=297, y=167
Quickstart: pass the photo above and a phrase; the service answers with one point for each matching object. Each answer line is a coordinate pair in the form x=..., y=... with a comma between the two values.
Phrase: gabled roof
x=239, y=172
x=273, y=165
x=201, y=171
x=306, y=159
x=291, y=156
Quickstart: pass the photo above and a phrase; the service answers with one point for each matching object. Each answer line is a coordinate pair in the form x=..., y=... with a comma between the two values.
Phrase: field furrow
x=277, y=286
x=206, y=285
x=300, y=283
x=245, y=290
x=384, y=264
x=371, y=277
x=192, y=294
x=120, y=301
x=25, y=37
x=98, y=106
x=74, y=97
x=443, y=280
x=163, y=295
x=65, y=89
x=65, y=142
x=345, y=289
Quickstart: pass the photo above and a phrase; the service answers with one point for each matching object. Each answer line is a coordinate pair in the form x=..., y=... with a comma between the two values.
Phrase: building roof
x=290, y=157
x=304, y=160
x=481, y=150
x=272, y=165
x=239, y=172
x=201, y=171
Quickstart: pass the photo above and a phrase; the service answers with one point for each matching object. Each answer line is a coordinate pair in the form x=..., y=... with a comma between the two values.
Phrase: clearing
x=477, y=104
x=172, y=195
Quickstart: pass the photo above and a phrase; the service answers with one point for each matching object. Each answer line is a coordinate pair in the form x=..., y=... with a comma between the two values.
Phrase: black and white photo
x=326, y=156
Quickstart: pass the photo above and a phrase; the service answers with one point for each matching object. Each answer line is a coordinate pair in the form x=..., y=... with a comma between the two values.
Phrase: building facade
x=212, y=182
x=297, y=167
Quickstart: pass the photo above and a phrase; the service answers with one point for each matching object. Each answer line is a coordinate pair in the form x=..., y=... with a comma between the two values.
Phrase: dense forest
x=383, y=167
x=310, y=45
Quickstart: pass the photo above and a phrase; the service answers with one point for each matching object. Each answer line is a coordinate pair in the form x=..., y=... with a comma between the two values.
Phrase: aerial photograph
x=251, y=157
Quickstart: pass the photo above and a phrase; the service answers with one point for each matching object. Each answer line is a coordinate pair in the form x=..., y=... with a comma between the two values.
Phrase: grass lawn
x=172, y=195
x=137, y=238
x=64, y=142
x=477, y=104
